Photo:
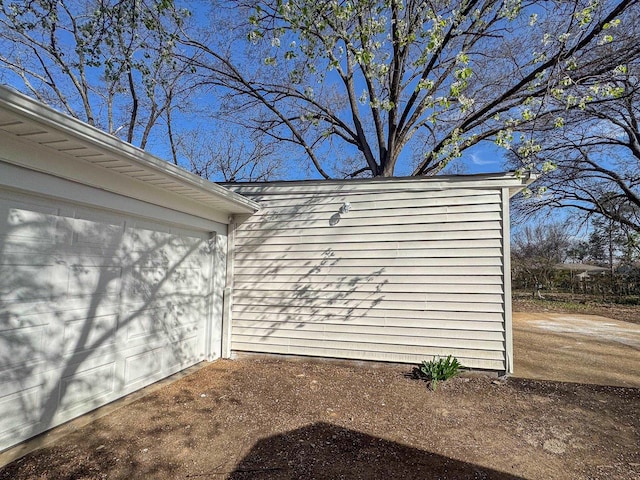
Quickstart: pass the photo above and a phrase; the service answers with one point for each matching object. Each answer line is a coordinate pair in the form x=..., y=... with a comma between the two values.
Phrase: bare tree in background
x=596, y=155
x=536, y=250
x=378, y=80
x=347, y=88
x=109, y=63
x=225, y=158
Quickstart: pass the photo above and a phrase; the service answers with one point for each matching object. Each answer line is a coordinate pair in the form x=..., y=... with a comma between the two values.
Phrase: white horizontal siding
x=383, y=262
x=384, y=354
x=313, y=288
x=369, y=304
x=405, y=344
x=304, y=191
x=312, y=245
x=356, y=272
x=397, y=253
x=316, y=213
x=282, y=222
x=444, y=280
x=409, y=273
x=348, y=314
x=392, y=203
x=313, y=229
x=309, y=296
x=481, y=332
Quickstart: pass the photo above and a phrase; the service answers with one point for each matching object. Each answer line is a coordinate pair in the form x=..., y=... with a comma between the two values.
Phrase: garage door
x=93, y=305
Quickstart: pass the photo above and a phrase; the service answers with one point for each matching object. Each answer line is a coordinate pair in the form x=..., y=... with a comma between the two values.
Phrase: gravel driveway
x=576, y=348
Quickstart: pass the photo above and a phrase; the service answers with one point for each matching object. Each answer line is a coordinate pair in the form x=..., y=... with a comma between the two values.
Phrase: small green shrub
x=438, y=369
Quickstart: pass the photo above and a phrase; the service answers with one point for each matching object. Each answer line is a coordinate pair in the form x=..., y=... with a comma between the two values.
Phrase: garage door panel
x=183, y=317
x=20, y=413
x=146, y=323
x=183, y=332
x=75, y=387
x=145, y=281
x=93, y=233
x=139, y=367
x=143, y=240
x=152, y=248
x=26, y=225
x=93, y=305
x=37, y=280
x=58, y=312
x=183, y=352
x=27, y=282
x=185, y=280
x=23, y=345
x=91, y=280
x=51, y=336
x=13, y=258
x=161, y=256
x=81, y=334
x=87, y=386
x=168, y=322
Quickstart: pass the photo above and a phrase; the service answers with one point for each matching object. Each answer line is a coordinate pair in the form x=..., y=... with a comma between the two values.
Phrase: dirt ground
x=284, y=419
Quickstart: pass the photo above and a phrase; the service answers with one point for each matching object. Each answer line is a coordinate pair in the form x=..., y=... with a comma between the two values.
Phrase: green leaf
x=464, y=73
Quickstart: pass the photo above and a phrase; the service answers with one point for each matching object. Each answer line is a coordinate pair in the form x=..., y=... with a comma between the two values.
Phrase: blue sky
x=485, y=157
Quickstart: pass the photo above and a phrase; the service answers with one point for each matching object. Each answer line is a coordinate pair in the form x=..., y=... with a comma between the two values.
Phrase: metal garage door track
x=576, y=348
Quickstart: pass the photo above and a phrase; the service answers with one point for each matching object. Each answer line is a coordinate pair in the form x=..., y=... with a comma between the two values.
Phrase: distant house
x=582, y=271
x=629, y=269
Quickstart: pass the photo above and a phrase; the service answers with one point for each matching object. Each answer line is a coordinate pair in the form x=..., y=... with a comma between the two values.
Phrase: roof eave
x=32, y=111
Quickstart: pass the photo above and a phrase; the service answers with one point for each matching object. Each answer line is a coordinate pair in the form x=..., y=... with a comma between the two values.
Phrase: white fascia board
x=510, y=180
x=14, y=178
x=30, y=111
x=526, y=180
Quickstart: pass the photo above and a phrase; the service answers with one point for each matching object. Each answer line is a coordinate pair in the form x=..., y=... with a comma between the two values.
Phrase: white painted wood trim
x=506, y=255
x=42, y=185
x=227, y=317
x=212, y=286
x=219, y=276
x=37, y=161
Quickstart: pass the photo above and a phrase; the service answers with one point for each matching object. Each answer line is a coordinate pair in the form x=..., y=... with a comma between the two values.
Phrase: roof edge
x=35, y=111
x=513, y=181
x=475, y=177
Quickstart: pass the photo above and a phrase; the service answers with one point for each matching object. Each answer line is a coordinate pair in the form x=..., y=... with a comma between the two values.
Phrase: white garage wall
x=94, y=305
x=112, y=267
x=414, y=270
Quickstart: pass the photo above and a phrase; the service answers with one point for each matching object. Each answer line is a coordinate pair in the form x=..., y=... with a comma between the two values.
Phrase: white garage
x=386, y=269
x=113, y=268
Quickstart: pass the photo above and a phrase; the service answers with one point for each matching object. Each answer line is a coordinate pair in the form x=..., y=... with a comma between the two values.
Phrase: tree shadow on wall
x=91, y=309
x=313, y=296
x=282, y=284
x=326, y=451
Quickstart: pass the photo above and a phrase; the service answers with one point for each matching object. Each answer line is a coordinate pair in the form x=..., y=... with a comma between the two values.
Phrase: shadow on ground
x=326, y=451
